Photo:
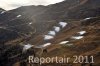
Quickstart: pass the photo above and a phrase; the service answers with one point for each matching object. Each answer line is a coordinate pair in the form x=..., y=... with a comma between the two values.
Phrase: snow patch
x=57, y=29
x=63, y=24
x=48, y=37
x=87, y=18
x=26, y=47
x=52, y=33
x=77, y=37
x=18, y=16
x=3, y=12
x=82, y=32
x=30, y=23
x=63, y=42
x=47, y=44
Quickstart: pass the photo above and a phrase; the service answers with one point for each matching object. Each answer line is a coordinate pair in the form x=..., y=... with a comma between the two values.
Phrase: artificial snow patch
x=26, y=47
x=63, y=42
x=77, y=37
x=82, y=32
x=19, y=16
x=62, y=24
x=48, y=37
x=57, y=29
x=52, y=33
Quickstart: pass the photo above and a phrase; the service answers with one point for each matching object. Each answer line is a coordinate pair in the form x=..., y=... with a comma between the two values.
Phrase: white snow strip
x=63, y=24
x=18, y=16
x=26, y=47
x=77, y=37
x=30, y=23
x=3, y=12
x=53, y=33
x=48, y=37
x=44, y=45
x=63, y=42
x=82, y=32
x=57, y=29
x=87, y=18
x=47, y=44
